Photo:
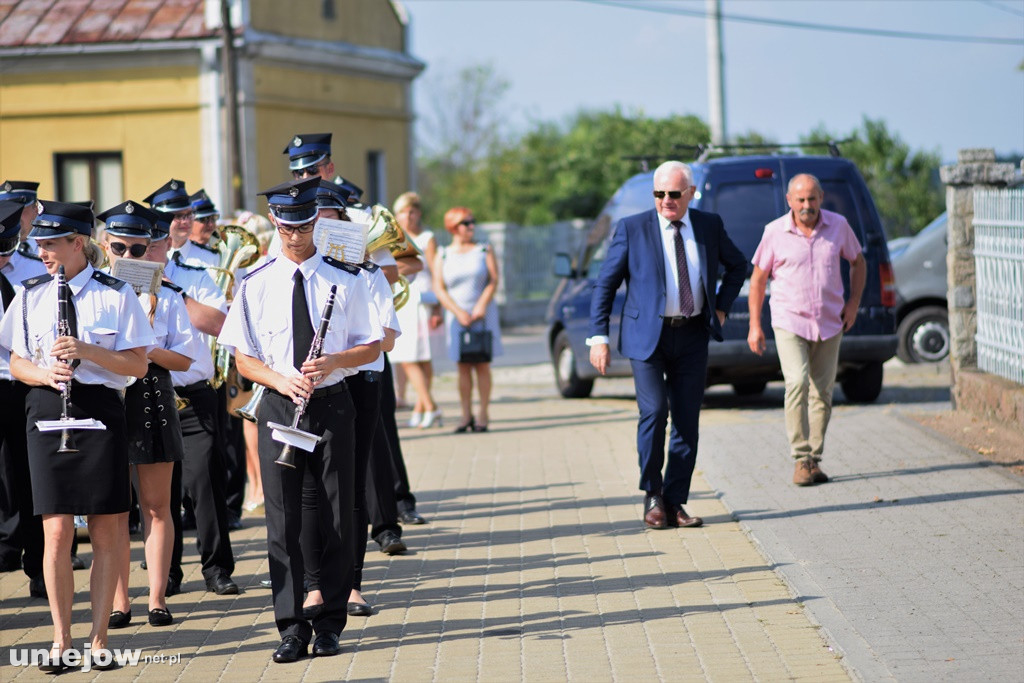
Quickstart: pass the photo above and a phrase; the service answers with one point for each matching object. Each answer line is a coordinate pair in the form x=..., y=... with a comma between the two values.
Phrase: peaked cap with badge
x=60, y=219
x=307, y=149
x=171, y=197
x=293, y=202
x=129, y=219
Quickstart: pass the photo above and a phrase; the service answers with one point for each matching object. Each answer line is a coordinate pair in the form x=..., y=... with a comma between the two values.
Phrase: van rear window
x=839, y=199
x=745, y=208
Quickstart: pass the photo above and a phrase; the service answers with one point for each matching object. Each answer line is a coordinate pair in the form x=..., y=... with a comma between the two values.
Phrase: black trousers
x=388, y=404
x=21, y=532
x=332, y=464
x=201, y=476
x=233, y=448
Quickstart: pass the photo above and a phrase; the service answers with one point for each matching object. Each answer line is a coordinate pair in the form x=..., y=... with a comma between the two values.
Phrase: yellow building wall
x=360, y=22
x=362, y=115
x=151, y=116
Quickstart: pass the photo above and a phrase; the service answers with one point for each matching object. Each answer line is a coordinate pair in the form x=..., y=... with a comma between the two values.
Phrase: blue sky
x=563, y=55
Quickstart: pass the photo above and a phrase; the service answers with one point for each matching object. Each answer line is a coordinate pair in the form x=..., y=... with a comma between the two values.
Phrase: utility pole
x=716, y=77
x=231, y=132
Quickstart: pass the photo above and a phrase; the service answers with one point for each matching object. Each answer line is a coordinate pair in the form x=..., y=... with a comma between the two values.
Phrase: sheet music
x=143, y=276
x=70, y=423
x=341, y=240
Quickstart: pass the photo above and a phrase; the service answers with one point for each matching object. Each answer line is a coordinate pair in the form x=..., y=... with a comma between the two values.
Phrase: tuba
x=385, y=231
x=238, y=248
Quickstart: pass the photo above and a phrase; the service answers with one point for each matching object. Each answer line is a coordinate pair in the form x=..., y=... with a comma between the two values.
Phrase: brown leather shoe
x=819, y=476
x=803, y=474
x=680, y=518
x=654, y=513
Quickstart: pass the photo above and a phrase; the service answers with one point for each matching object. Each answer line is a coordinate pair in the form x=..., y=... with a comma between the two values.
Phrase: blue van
x=748, y=192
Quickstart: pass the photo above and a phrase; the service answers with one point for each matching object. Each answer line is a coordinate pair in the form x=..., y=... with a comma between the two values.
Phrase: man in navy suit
x=669, y=258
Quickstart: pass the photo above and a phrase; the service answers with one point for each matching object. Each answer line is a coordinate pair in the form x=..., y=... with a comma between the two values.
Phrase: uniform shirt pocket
x=101, y=336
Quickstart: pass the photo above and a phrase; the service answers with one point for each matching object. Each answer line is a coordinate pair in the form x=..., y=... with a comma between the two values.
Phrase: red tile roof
x=70, y=22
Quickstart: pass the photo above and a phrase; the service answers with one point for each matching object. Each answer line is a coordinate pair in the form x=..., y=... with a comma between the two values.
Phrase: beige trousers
x=809, y=368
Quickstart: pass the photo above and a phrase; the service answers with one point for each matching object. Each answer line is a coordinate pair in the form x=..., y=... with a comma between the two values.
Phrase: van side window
x=743, y=207
x=839, y=199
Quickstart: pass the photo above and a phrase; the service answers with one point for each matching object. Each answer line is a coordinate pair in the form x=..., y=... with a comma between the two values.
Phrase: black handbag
x=475, y=345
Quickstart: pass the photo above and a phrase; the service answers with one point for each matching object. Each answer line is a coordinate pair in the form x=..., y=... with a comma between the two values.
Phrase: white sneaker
x=415, y=419
x=431, y=418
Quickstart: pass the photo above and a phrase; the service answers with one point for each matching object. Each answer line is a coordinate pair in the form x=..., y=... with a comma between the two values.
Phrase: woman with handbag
x=465, y=280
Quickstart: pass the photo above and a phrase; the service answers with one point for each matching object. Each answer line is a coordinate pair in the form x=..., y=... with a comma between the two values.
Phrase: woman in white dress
x=419, y=317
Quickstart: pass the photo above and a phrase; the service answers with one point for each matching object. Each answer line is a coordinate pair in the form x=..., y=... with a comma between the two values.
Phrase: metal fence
x=999, y=265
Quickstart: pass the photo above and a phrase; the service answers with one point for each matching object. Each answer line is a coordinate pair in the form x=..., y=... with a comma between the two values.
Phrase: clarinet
x=64, y=330
x=287, y=457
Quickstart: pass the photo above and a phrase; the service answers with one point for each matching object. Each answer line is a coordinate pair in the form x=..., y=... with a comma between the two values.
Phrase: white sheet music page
x=143, y=276
x=341, y=240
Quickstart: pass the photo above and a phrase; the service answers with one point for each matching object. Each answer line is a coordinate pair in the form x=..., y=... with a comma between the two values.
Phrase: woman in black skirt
x=106, y=341
x=154, y=432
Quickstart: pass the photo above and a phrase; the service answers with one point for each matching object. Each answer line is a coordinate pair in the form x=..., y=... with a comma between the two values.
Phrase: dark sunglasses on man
x=309, y=171
x=136, y=250
x=673, y=194
x=8, y=245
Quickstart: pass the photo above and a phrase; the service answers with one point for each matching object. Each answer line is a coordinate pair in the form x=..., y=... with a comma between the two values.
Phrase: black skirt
x=154, y=431
x=93, y=481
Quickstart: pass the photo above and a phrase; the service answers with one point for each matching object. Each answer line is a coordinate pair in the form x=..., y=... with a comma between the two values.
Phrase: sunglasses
x=673, y=194
x=468, y=221
x=136, y=250
x=303, y=229
x=308, y=171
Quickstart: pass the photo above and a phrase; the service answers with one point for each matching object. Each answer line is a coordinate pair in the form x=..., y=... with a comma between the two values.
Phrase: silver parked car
x=922, y=320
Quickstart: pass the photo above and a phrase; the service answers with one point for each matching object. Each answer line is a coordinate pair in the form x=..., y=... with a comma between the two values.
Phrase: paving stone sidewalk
x=534, y=567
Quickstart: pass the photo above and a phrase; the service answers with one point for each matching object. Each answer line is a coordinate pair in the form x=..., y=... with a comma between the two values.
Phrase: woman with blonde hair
x=465, y=280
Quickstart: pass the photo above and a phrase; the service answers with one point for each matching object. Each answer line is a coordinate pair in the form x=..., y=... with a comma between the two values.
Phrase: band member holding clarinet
x=281, y=340
x=75, y=363
x=154, y=432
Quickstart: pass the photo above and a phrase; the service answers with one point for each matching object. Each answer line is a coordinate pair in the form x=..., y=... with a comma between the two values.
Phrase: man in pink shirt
x=800, y=252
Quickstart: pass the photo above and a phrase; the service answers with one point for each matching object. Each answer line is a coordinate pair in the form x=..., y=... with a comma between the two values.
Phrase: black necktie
x=302, y=328
x=6, y=292
x=685, y=293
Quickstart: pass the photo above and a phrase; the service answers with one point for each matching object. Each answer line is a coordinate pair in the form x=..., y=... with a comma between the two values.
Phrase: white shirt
x=110, y=318
x=668, y=236
x=171, y=326
x=21, y=268
x=195, y=254
x=198, y=284
x=259, y=323
x=384, y=302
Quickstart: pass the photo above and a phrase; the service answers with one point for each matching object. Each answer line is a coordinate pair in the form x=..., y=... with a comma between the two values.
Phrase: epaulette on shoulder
x=35, y=281
x=207, y=247
x=171, y=286
x=369, y=266
x=181, y=264
x=251, y=273
x=108, y=280
x=23, y=249
x=347, y=267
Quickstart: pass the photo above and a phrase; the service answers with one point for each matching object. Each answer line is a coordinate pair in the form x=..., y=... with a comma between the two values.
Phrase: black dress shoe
x=391, y=544
x=173, y=587
x=37, y=587
x=326, y=644
x=312, y=612
x=222, y=585
x=411, y=517
x=290, y=650
x=53, y=665
x=160, y=617
x=119, y=619
x=109, y=663
x=77, y=562
x=359, y=609
x=234, y=522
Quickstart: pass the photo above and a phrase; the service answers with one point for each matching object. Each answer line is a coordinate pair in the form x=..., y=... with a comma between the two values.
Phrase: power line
x=992, y=3
x=878, y=32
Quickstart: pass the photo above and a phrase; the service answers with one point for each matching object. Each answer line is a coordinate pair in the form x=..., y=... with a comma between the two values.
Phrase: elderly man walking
x=801, y=253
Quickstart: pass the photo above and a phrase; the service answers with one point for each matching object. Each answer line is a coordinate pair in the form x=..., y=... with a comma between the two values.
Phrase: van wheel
x=924, y=335
x=749, y=388
x=864, y=384
x=569, y=383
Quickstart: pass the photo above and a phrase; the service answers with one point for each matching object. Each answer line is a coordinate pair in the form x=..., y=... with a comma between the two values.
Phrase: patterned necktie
x=685, y=293
x=302, y=328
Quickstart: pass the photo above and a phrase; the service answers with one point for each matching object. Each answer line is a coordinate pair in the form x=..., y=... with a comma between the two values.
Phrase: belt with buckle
x=680, y=320
x=192, y=388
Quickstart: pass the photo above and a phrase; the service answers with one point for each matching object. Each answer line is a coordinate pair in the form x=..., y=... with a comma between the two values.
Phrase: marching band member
x=154, y=432
x=24, y=262
x=107, y=337
x=274, y=350
x=172, y=198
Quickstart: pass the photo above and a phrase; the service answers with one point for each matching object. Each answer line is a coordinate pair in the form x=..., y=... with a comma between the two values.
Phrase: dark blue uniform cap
x=161, y=225
x=171, y=197
x=60, y=219
x=10, y=218
x=308, y=149
x=293, y=202
x=129, y=219
x=21, y=191
x=203, y=205
x=330, y=196
x=352, y=191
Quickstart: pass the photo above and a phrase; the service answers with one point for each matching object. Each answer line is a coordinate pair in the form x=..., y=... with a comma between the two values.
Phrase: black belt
x=370, y=375
x=318, y=393
x=192, y=388
x=681, y=320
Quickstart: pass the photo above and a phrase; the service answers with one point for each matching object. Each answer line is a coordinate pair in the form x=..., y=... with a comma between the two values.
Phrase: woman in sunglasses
x=154, y=431
x=465, y=280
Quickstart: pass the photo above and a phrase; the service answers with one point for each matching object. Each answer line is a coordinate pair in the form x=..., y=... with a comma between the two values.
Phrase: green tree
x=904, y=184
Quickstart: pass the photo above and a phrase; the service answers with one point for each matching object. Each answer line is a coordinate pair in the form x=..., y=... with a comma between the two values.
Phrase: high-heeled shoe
x=431, y=418
x=415, y=419
x=465, y=427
